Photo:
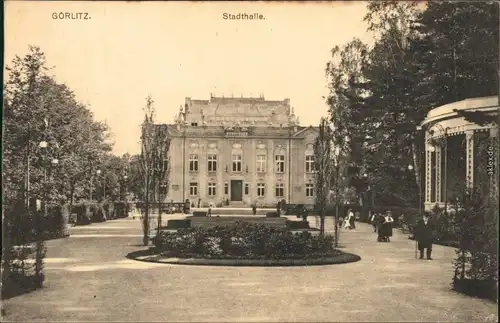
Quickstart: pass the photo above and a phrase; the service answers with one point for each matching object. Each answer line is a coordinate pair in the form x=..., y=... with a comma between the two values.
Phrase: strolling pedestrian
x=348, y=220
x=352, y=219
x=373, y=221
x=254, y=208
x=304, y=213
x=424, y=235
x=209, y=213
x=380, y=228
x=388, y=220
x=278, y=208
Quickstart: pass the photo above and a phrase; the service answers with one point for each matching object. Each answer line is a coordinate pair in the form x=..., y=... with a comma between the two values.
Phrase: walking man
x=424, y=235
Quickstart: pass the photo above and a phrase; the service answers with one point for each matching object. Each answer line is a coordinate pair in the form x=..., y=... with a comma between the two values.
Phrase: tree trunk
x=145, y=239
x=322, y=221
x=6, y=246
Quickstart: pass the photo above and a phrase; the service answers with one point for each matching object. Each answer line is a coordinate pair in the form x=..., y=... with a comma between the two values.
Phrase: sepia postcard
x=239, y=161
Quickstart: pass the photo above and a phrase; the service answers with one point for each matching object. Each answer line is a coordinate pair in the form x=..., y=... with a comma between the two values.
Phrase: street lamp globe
x=43, y=144
x=125, y=176
x=55, y=161
x=432, y=148
x=410, y=167
x=365, y=175
x=98, y=172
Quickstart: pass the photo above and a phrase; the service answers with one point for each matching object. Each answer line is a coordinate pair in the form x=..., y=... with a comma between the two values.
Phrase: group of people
x=349, y=222
x=382, y=224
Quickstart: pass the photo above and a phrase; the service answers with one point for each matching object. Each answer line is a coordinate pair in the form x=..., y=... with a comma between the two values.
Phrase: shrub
x=476, y=262
x=243, y=241
x=297, y=225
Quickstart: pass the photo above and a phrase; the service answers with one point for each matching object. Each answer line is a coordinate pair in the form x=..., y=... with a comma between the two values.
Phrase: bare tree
x=324, y=168
x=162, y=166
x=155, y=144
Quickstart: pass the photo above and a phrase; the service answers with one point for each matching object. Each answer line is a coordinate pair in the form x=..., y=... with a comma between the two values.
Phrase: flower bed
x=243, y=241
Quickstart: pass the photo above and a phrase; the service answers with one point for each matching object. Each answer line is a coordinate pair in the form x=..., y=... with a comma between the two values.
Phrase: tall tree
x=155, y=144
x=43, y=123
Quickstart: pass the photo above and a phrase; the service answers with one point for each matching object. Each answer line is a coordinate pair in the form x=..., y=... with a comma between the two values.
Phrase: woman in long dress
x=388, y=220
x=379, y=219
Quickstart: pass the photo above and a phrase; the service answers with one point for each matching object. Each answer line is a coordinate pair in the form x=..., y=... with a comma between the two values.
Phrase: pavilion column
x=428, y=175
x=469, y=148
x=438, y=174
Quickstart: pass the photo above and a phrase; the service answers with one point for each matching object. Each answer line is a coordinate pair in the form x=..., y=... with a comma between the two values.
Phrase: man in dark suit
x=424, y=235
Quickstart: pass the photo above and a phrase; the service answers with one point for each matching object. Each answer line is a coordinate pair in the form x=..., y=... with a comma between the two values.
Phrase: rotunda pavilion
x=459, y=154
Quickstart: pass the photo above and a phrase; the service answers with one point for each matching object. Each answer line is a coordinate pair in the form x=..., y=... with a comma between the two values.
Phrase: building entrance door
x=236, y=190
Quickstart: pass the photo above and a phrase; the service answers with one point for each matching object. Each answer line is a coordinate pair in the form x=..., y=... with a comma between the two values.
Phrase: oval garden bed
x=243, y=244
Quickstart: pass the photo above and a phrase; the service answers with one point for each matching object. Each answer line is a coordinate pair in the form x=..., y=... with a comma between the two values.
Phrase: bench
x=230, y=220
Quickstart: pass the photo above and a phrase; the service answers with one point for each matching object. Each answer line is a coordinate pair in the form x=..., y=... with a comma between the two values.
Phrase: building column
x=438, y=174
x=428, y=177
x=469, y=148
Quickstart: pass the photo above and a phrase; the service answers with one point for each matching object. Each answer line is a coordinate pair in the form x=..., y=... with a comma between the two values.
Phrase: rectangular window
x=261, y=163
x=226, y=188
x=193, y=163
x=246, y=188
x=309, y=163
x=280, y=163
x=236, y=163
x=165, y=165
x=193, y=189
x=211, y=189
x=309, y=190
x=212, y=163
x=280, y=190
x=261, y=189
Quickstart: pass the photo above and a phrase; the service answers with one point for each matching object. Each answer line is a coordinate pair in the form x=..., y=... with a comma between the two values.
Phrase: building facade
x=241, y=150
x=459, y=154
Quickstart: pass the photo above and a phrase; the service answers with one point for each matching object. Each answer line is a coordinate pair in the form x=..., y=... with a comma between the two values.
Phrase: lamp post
x=98, y=172
x=91, y=188
x=337, y=198
x=38, y=232
x=125, y=191
x=365, y=177
x=410, y=168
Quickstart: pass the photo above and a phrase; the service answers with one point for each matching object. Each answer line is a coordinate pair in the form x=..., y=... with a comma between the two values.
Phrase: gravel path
x=89, y=279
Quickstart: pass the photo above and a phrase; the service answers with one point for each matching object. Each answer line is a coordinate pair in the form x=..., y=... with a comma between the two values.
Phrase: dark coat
x=386, y=228
x=424, y=233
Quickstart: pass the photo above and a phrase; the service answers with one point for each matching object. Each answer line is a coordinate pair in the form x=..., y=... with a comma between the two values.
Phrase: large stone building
x=245, y=150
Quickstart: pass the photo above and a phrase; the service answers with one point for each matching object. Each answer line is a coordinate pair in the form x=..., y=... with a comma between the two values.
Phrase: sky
x=173, y=50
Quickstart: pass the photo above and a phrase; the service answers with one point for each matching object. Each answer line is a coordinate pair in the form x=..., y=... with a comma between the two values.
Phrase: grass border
x=147, y=256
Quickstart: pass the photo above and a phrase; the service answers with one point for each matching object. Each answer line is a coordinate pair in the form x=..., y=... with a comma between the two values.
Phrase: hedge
x=178, y=224
x=297, y=225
